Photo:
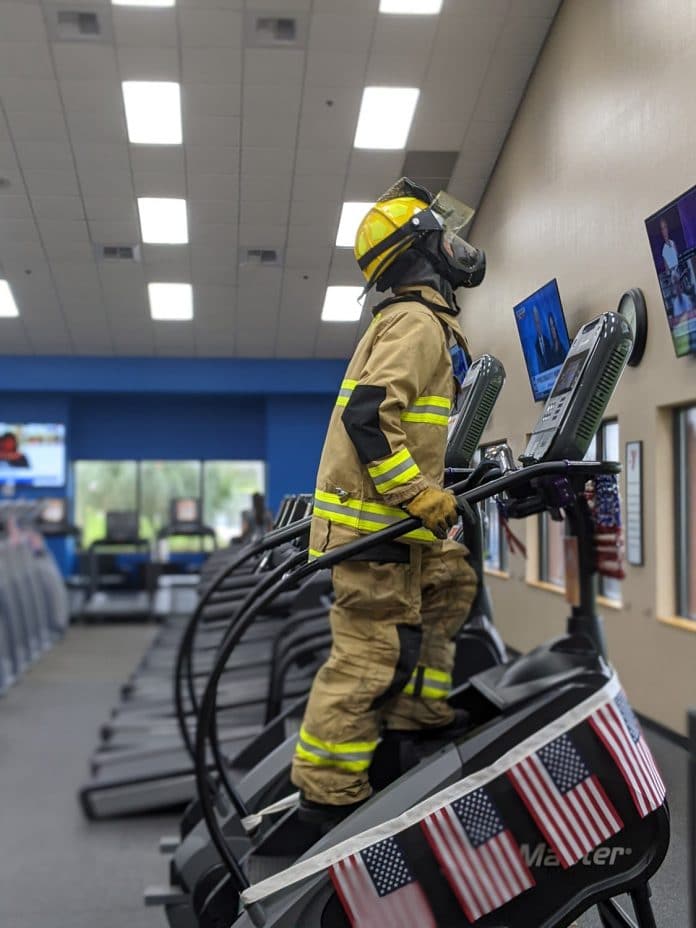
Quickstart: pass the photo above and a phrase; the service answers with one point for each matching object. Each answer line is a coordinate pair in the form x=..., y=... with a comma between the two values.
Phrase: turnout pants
x=390, y=664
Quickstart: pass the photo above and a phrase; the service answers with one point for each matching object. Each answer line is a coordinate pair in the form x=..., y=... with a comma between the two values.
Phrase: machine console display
x=583, y=388
x=482, y=385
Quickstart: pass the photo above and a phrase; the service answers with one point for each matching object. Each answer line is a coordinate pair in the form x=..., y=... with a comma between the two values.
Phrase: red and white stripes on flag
x=619, y=731
x=378, y=890
x=566, y=800
x=478, y=855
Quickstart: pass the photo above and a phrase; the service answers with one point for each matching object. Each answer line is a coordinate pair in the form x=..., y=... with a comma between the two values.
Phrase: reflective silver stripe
x=395, y=471
x=436, y=684
x=334, y=755
x=345, y=391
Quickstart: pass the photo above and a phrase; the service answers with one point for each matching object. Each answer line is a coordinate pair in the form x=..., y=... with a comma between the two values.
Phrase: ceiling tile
x=13, y=337
x=50, y=183
x=205, y=28
x=58, y=208
x=30, y=94
x=110, y=208
x=20, y=22
x=148, y=64
x=204, y=271
x=320, y=160
x=523, y=34
x=101, y=185
x=323, y=66
x=146, y=159
x=274, y=66
x=114, y=233
x=45, y=155
x=259, y=188
x=211, y=65
x=104, y=156
x=212, y=130
x=38, y=126
x=105, y=127
x=93, y=61
x=13, y=206
x=159, y=184
x=211, y=99
x=339, y=31
x=213, y=186
x=212, y=211
x=63, y=249
x=25, y=59
x=156, y=257
x=143, y=26
x=212, y=159
x=329, y=113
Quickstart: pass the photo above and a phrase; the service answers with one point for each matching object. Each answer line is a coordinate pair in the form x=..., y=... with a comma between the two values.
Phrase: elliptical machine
x=553, y=767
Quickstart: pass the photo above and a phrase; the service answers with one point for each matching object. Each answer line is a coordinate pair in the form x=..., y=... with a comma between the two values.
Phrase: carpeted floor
x=58, y=870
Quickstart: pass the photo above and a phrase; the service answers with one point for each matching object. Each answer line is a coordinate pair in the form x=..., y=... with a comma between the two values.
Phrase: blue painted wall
x=169, y=408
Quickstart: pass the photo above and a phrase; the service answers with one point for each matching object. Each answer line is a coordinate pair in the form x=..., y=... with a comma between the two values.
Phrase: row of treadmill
x=34, y=608
x=208, y=723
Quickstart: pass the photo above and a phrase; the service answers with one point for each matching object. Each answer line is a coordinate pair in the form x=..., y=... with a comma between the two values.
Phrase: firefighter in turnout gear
x=397, y=612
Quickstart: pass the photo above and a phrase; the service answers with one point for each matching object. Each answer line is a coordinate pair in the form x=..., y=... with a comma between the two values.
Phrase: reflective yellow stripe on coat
x=434, y=410
x=435, y=684
x=395, y=471
x=362, y=516
x=351, y=755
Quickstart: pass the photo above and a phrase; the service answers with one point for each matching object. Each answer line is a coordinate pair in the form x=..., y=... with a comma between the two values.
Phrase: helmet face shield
x=467, y=263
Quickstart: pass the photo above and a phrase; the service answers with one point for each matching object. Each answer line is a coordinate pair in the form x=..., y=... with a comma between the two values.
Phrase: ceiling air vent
x=79, y=24
x=118, y=252
x=268, y=30
x=260, y=257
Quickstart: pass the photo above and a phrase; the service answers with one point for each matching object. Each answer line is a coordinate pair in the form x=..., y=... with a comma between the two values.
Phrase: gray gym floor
x=58, y=870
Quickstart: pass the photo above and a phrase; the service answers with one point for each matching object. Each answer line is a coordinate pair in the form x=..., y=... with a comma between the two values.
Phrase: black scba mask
x=438, y=233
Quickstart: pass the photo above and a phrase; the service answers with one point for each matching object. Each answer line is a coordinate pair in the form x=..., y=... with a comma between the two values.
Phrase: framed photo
x=634, y=503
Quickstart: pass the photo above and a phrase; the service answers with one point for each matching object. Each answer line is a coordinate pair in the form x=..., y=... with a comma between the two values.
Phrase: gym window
x=604, y=447
x=147, y=487
x=685, y=514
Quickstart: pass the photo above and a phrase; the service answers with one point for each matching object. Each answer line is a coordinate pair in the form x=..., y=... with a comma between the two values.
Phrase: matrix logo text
x=541, y=855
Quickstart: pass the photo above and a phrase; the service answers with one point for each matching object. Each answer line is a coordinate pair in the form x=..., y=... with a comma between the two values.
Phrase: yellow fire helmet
x=401, y=215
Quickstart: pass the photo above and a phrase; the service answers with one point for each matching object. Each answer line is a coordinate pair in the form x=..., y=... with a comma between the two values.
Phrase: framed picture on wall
x=634, y=503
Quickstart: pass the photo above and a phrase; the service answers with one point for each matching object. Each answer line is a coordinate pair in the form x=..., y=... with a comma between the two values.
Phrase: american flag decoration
x=377, y=889
x=619, y=731
x=604, y=499
x=566, y=800
x=480, y=858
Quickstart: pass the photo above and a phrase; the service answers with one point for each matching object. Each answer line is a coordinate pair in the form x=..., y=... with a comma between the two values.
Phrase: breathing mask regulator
x=435, y=229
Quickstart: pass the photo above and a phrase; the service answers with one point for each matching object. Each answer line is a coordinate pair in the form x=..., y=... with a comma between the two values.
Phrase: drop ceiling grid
x=76, y=178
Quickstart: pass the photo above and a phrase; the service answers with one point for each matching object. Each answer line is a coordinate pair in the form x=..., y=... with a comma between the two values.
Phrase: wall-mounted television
x=185, y=510
x=544, y=337
x=672, y=234
x=32, y=454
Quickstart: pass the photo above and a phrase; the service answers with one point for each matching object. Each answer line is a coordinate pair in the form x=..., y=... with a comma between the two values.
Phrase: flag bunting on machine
x=619, y=731
x=378, y=890
x=478, y=854
x=476, y=850
x=566, y=800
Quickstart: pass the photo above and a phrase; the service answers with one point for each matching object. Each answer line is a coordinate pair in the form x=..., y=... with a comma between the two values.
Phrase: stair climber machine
x=259, y=774
x=548, y=805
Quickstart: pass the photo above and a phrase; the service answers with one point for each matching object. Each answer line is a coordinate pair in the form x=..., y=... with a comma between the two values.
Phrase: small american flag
x=377, y=889
x=619, y=731
x=479, y=856
x=565, y=800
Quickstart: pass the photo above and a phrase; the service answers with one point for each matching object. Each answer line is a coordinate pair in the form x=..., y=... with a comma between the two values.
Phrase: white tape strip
x=251, y=822
x=313, y=865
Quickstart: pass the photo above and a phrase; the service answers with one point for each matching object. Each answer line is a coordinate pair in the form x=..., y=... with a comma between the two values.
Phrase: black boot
x=323, y=815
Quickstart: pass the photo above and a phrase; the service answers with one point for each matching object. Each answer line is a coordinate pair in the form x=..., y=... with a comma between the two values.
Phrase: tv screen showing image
x=32, y=454
x=672, y=235
x=544, y=337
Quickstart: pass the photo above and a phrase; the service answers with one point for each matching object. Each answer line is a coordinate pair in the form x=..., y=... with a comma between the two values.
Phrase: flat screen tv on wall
x=544, y=337
x=32, y=454
x=672, y=235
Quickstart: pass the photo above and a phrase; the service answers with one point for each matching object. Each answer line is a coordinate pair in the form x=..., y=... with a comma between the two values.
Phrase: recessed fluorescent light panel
x=171, y=302
x=8, y=307
x=143, y=2
x=385, y=117
x=163, y=221
x=153, y=112
x=419, y=7
x=341, y=304
x=351, y=217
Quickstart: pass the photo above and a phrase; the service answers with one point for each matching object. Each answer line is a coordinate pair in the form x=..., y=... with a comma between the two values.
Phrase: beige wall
x=605, y=136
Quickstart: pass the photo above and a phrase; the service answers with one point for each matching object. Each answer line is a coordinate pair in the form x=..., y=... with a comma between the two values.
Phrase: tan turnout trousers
x=390, y=664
